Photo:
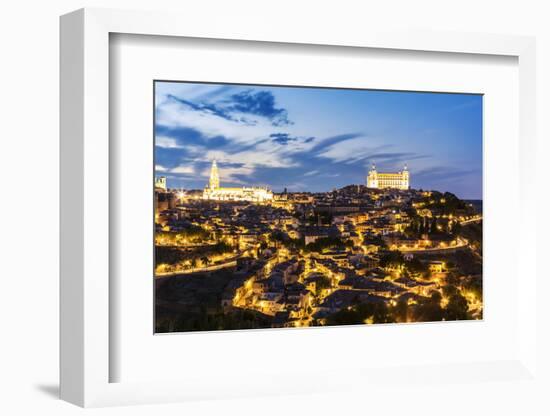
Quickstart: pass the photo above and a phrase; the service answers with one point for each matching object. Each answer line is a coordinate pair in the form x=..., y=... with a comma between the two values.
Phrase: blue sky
x=316, y=139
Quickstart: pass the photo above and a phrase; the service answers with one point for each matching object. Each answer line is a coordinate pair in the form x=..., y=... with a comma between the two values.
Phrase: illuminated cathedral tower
x=395, y=180
x=214, y=182
x=213, y=190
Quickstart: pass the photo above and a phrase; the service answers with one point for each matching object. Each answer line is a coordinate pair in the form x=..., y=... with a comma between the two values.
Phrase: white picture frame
x=85, y=212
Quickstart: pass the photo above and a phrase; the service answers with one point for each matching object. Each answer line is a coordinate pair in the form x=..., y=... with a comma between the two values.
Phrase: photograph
x=300, y=206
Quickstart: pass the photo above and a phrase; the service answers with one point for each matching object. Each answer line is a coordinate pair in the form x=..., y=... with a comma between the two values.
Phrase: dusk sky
x=316, y=139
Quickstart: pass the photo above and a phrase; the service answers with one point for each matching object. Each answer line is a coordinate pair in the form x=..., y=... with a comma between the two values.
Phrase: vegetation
x=281, y=238
x=415, y=266
x=474, y=234
x=323, y=283
x=420, y=226
x=192, y=234
x=174, y=255
x=203, y=321
x=401, y=311
x=326, y=243
x=392, y=259
x=445, y=203
x=193, y=302
x=360, y=313
x=457, y=306
x=474, y=285
x=428, y=309
x=377, y=241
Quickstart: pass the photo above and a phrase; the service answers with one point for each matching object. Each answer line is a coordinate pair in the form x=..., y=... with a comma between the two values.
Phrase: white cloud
x=160, y=168
x=183, y=169
x=167, y=142
x=180, y=89
x=264, y=156
x=174, y=114
x=311, y=173
x=348, y=151
x=193, y=150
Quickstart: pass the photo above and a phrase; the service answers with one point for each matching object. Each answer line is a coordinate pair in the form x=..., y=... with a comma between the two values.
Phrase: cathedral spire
x=214, y=182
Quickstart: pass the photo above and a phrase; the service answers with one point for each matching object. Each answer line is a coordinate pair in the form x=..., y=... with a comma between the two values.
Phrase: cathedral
x=394, y=180
x=213, y=191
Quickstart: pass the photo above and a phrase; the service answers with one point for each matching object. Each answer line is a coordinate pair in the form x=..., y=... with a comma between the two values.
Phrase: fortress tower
x=160, y=182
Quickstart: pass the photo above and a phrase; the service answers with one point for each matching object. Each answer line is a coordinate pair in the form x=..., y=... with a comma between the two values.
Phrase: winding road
x=477, y=218
x=229, y=263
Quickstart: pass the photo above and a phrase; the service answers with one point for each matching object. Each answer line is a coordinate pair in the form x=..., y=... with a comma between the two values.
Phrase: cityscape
x=245, y=240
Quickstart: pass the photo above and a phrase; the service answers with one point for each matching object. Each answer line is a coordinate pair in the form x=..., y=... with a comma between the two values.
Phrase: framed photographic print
x=239, y=210
x=280, y=206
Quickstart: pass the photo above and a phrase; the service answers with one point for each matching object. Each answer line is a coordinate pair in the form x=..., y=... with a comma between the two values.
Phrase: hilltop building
x=160, y=183
x=213, y=191
x=164, y=199
x=384, y=180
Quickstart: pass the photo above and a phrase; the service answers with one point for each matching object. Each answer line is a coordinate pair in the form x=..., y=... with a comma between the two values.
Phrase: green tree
x=429, y=309
x=457, y=308
x=321, y=284
x=416, y=266
x=401, y=310
x=325, y=243
x=392, y=258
